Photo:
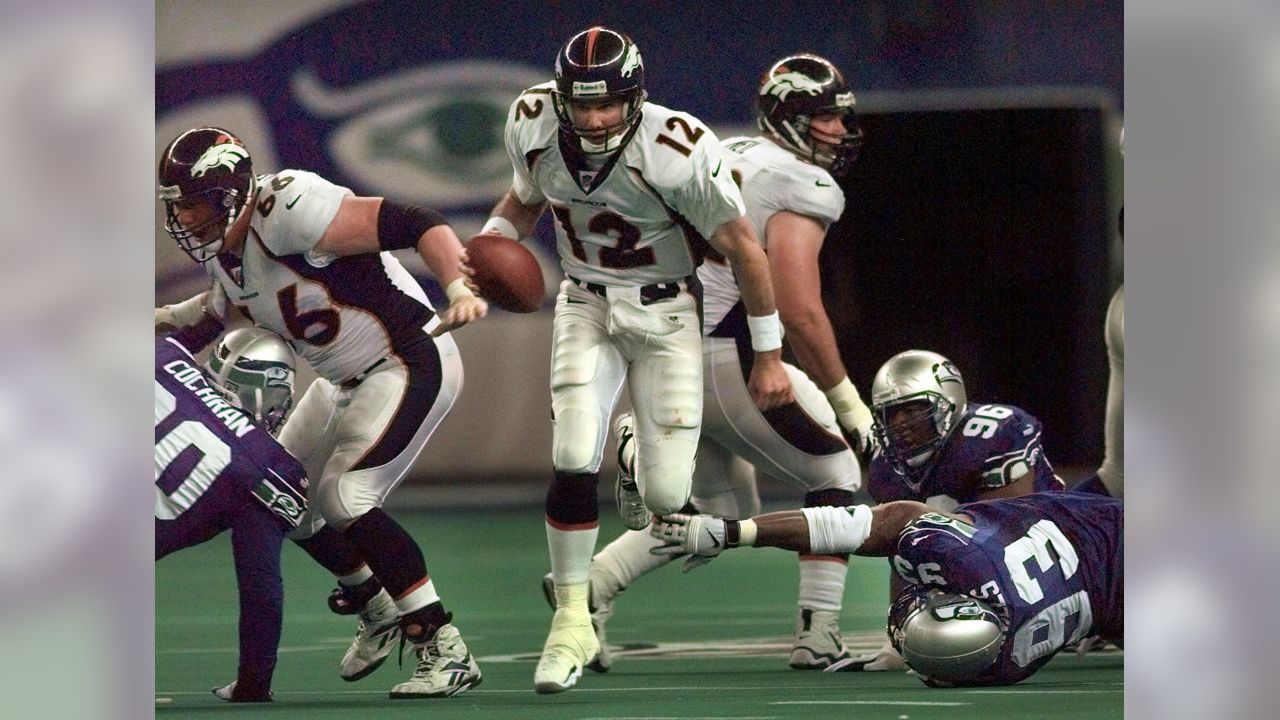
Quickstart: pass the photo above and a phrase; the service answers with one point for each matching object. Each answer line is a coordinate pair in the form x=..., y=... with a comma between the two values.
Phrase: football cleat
x=817, y=644
x=886, y=659
x=376, y=636
x=630, y=503
x=445, y=668
x=601, y=610
x=228, y=693
x=570, y=646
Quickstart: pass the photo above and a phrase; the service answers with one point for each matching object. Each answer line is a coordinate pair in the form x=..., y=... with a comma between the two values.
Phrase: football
x=507, y=274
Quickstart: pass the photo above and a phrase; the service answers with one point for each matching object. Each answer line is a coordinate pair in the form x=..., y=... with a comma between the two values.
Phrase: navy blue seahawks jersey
x=1052, y=564
x=211, y=458
x=991, y=446
x=216, y=471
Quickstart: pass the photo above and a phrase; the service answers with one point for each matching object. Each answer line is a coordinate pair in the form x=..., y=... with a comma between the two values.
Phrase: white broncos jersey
x=342, y=314
x=772, y=180
x=639, y=220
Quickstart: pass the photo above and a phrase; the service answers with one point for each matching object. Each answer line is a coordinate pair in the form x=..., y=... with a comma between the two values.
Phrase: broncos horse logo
x=225, y=155
x=784, y=84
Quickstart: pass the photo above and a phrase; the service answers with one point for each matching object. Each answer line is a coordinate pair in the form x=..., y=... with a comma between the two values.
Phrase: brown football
x=507, y=274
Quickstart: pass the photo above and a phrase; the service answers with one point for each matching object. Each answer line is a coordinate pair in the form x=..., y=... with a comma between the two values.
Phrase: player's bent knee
x=666, y=489
x=343, y=502
x=576, y=441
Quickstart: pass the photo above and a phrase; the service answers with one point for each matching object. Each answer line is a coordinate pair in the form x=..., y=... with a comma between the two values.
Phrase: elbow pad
x=400, y=226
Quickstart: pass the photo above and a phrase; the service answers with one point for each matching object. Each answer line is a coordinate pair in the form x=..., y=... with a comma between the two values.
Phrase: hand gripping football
x=506, y=272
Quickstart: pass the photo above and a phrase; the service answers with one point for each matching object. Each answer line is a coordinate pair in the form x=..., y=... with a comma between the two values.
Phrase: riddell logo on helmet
x=225, y=155
x=786, y=83
x=599, y=87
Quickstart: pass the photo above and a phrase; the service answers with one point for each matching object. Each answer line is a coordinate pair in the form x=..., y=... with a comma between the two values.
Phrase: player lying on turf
x=994, y=589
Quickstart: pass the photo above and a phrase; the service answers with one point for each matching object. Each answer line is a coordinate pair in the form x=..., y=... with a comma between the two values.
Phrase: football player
x=809, y=137
x=218, y=468
x=993, y=589
x=637, y=191
x=936, y=447
x=1109, y=479
x=311, y=261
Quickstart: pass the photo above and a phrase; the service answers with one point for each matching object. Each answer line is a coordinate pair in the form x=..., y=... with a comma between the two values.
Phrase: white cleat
x=817, y=644
x=886, y=659
x=601, y=610
x=445, y=668
x=570, y=646
x=631, y=505
x=376, y=637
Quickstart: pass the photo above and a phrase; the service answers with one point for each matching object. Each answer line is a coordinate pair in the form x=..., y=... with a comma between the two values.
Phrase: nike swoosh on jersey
x=717, y=170
x=289, y=205
x=819, y=183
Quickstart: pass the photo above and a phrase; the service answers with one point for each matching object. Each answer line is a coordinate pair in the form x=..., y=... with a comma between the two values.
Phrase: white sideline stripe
x=524, y=691
x=870, y=702
x=1043, y=692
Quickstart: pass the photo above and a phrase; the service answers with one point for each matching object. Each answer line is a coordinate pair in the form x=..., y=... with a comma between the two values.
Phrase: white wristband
x=850, y=410
x=747, y=533
x=501, y=226
x=766, y=332
x=457, y=289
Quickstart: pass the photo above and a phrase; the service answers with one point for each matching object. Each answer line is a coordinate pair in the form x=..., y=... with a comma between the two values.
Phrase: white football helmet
x=254, y=369
x=933, y=388
x=947, y=638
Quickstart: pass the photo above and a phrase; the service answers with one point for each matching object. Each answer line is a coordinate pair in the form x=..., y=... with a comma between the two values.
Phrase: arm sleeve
x=256, y=538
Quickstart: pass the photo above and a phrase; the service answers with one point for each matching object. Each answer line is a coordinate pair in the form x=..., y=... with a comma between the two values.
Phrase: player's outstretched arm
x=769, y=385
x=824, y=530
x=794, y=243
x=374, y=224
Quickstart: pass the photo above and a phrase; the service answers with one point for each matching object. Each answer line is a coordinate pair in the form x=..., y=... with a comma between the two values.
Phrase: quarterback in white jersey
x=809, y=132
x=639, y=193
x=308, y=260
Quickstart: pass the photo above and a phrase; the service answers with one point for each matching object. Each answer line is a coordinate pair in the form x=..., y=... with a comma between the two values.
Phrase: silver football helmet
x=916, y=399
x=254, y=369
x=947, y=638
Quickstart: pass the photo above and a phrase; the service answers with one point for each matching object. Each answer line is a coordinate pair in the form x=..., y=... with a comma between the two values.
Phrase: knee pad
x=577, y=439
x=346, y=499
